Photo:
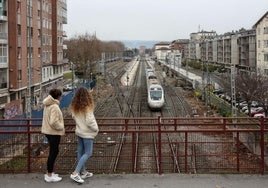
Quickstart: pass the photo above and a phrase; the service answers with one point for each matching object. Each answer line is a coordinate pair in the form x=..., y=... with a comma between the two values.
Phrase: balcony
x=3, y=85
x=3, y=15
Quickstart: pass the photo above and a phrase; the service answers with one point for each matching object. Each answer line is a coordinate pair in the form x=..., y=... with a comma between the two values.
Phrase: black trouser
x=53, y=141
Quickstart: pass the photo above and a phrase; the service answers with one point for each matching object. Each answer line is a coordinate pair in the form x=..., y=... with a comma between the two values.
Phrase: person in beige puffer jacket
x=53, y=128
x=86, y=129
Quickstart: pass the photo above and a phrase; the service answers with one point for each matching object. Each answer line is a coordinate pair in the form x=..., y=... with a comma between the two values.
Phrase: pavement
x=140, y=181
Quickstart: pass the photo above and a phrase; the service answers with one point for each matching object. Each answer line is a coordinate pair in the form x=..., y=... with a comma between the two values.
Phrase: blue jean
x=85, y=149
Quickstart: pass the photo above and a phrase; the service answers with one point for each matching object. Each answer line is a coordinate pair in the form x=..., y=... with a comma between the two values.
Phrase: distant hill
x=138, y=43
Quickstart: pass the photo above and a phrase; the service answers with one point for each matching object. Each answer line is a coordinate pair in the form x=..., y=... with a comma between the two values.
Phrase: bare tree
x=262, y=94
x=250, y=87
x=113, y=46
x=84, y=51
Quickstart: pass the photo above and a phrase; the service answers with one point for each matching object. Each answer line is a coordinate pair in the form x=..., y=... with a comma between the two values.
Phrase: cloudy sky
x=160, y=20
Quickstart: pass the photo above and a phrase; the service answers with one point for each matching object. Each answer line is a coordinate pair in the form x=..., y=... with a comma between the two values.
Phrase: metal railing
x=193, y=145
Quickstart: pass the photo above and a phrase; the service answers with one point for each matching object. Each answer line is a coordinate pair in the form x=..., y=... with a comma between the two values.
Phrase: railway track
x=121, y=162
x=138, y=152
x=144, y=156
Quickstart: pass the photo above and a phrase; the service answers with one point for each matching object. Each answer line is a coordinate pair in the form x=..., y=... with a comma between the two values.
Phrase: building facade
x=262, y=44
x=161, y=50
x=4, y=71
x=33, y=50
x=233, y=48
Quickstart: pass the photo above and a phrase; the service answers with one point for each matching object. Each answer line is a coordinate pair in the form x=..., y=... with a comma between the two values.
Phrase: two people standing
x=82, y=110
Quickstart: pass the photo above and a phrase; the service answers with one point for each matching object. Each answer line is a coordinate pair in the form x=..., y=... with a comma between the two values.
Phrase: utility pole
x=233, y=92
x=208, y=76
x=72, y=66
x=203, y=66
x=103, y=64
x=29, y=59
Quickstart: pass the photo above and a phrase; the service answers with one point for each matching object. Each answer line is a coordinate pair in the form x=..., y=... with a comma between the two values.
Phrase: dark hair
x=55, y=93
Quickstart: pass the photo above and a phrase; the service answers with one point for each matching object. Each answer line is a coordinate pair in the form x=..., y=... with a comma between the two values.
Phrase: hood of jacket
x=53, y=122
x=49, y=100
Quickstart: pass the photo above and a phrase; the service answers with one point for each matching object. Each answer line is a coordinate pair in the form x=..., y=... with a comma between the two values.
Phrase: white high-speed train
x=155, y=91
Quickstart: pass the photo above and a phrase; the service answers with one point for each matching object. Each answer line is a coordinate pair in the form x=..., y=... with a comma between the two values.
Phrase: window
x=19, y=75
x=265, y=43
x=259, y=57
x=47, y=72
x=265, y=30
x=18, y=7
x=39, y=14
x=266, y=57
x=3, y=80
x=259, y=31
x=2, y=28
x=3, y=74
x=266, y=71
x=19, y=29
x=3, y=53
x=19, y=53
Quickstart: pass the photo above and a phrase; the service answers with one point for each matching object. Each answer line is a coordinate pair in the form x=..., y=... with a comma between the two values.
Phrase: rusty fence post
x=186, y=152
x=134, y=152
x=262, y=144
x=159, y=145
x=28, y=145
x=237, y=152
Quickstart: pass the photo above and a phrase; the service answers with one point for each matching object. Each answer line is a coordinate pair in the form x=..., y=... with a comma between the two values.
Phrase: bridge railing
x=144, y=145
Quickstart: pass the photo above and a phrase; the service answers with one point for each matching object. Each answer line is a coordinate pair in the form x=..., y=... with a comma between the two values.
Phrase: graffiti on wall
x=12, y=109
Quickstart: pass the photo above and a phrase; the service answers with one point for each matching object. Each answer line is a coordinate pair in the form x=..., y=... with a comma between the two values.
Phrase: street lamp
x=127, y=79
x=265, y=106
x=72, y=67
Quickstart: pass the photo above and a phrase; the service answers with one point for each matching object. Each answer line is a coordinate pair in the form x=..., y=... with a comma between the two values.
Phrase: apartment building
x=245, y=49
x=4, y=95
x=179, y=44
x=193, y=49
x=233, y=48
x=32, y=52
x=161, y=50
x=246, y=42
x=261, y=27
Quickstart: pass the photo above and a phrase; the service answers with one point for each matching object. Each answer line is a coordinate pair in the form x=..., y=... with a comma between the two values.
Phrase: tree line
x=85, y=50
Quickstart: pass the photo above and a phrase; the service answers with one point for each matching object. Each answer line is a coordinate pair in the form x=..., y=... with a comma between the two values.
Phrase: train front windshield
x=156, y=94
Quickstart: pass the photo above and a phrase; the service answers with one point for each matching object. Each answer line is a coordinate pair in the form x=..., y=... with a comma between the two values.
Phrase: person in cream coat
x=53, y=128
x=82, y=108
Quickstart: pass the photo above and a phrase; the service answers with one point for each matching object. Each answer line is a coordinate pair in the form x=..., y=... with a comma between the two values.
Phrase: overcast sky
x=160, y=20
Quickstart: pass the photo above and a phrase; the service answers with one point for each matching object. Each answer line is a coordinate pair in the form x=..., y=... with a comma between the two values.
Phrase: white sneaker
x=54, y=174
x=77, y=178
x=52, y=178
x=86, y=175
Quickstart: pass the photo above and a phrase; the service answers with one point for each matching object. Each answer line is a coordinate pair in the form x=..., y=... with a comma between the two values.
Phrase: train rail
x=161, y=143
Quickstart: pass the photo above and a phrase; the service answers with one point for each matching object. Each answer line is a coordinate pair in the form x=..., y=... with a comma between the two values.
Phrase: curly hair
x=82, y=101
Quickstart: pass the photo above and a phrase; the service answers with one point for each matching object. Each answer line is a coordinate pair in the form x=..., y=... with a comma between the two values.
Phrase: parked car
x=259, y=115
x=253, y=106
x=68, y=87
x=242, y=104
x=244, y=108
x=254, y=110
x=228, y=98
x=217, y=91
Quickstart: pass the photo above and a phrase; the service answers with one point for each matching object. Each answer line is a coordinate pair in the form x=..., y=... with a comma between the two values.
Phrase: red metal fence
x=144, y=145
